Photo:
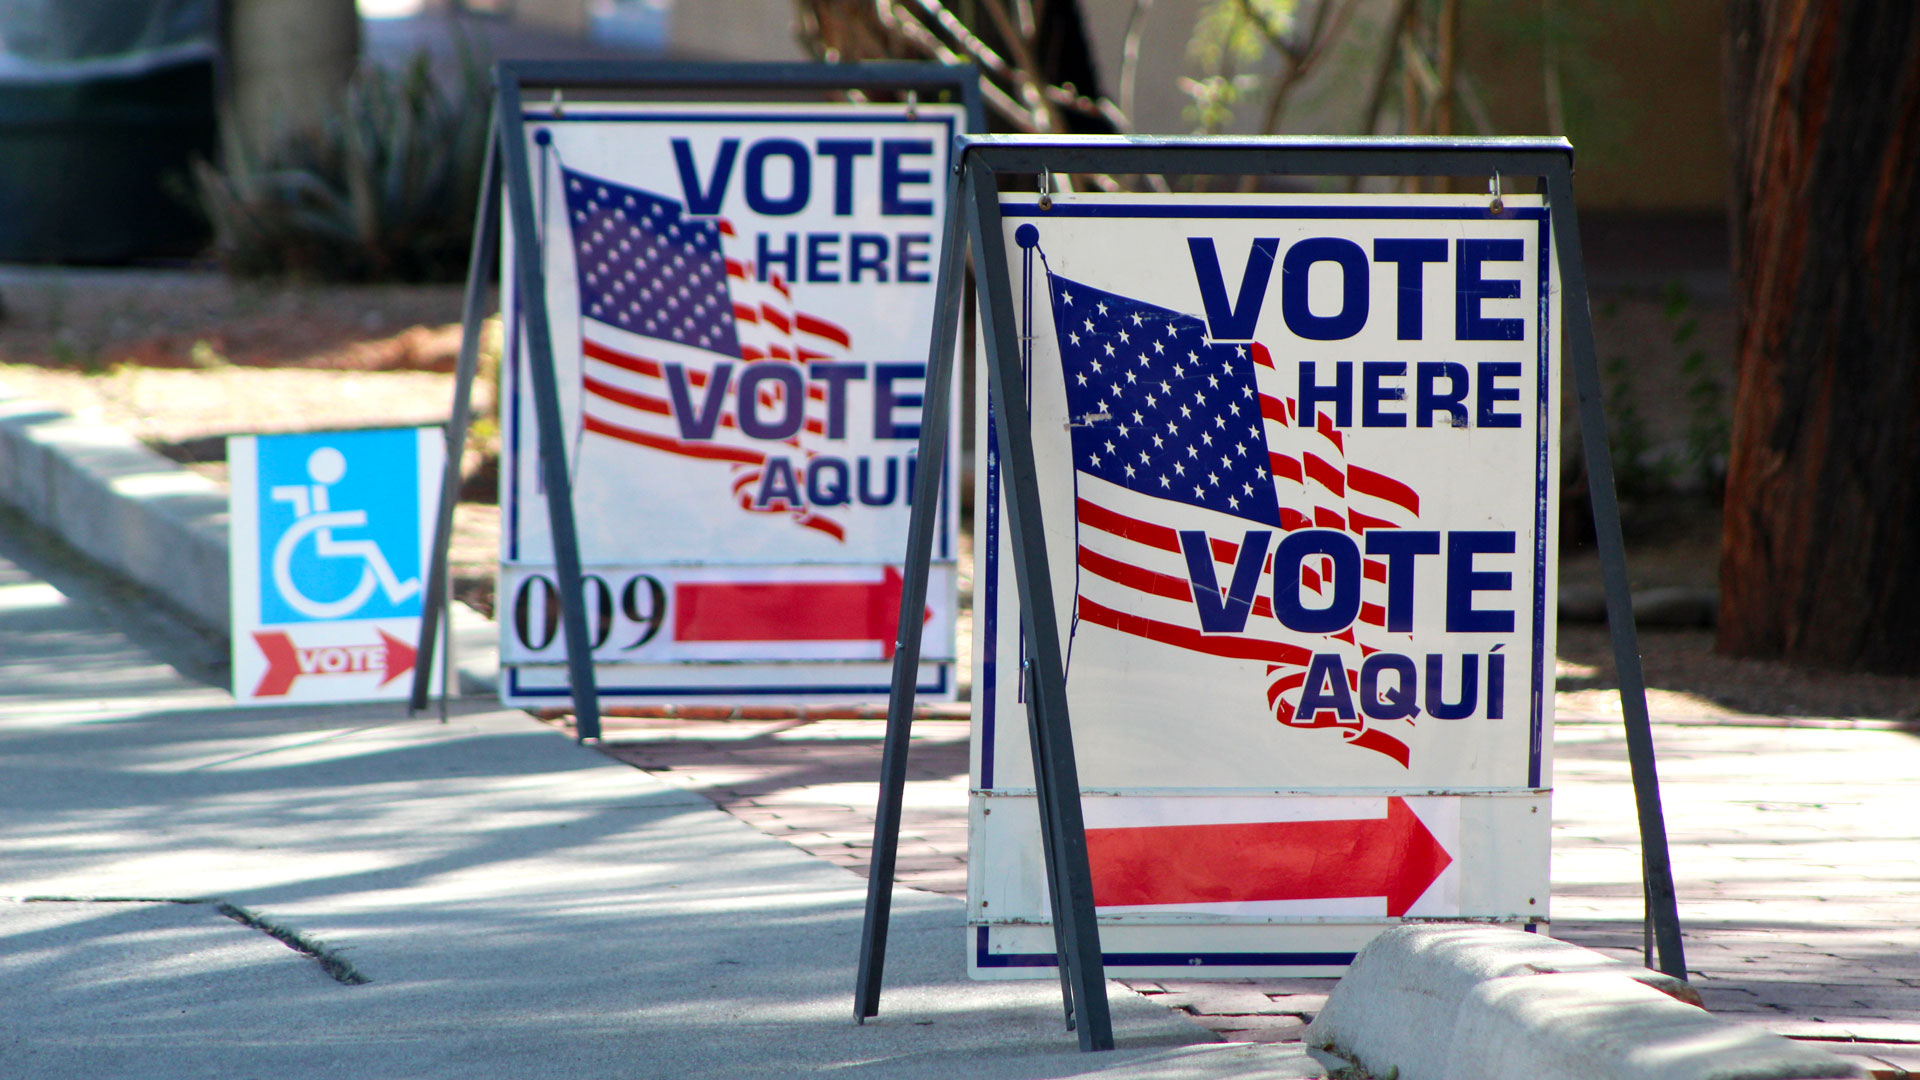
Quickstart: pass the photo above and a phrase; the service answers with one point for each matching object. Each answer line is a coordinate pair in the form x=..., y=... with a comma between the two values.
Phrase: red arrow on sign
x=1395, y=857
x=790, y=610
x=287, y=661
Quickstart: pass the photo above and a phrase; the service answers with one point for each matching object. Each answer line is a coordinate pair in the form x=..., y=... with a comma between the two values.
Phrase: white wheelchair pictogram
x=313, y=515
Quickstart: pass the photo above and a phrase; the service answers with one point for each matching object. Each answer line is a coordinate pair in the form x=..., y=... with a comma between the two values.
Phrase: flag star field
x=1157, y=407
x=647, y=268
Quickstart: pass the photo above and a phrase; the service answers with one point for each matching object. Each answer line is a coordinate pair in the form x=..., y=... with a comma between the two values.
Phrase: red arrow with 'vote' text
x=1395, y=857
x=287, y=661
x=790, y=610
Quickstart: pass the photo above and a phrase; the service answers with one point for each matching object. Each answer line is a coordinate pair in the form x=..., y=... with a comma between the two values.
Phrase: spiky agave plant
x=383, y=189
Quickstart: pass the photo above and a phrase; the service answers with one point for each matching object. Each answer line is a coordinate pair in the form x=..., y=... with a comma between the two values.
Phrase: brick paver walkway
x=1796, y=847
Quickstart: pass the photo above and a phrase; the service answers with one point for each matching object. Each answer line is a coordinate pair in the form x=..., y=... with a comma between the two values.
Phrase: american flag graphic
x=1172, y=432
x=671, y=313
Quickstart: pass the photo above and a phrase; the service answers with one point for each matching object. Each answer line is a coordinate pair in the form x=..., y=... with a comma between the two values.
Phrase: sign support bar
x=1656, y=872
x=935, y=418
x=1056, y=774
x=530, y=283
x=480, y=267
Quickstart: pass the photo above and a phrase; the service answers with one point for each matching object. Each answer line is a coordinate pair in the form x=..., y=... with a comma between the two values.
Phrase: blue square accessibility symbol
x=339, y=526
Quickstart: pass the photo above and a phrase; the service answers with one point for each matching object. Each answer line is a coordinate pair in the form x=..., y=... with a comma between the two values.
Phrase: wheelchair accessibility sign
x=330, y=539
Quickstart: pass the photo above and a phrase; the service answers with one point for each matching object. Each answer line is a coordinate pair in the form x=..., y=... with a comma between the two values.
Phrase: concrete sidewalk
x=479, y=899
x=1795, y=846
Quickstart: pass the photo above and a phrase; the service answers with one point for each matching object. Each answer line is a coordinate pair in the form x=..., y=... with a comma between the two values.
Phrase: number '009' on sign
x=723, y=615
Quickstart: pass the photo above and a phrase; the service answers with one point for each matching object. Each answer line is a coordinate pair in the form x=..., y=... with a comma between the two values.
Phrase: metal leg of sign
x=1044, y=797
x=1646, y=918
x=1657, y=871
x=1055, y=773
x=935, y=420
x=436, y=601
x=530, y=282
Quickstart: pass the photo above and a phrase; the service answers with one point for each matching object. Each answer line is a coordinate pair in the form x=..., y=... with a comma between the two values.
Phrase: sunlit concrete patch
x=126, y=960
x=30, y=596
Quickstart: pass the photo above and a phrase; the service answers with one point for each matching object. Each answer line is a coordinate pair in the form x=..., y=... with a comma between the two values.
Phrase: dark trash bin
x=103, y=105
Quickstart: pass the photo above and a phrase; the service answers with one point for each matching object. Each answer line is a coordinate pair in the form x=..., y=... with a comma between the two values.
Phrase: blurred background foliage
x=382, y=189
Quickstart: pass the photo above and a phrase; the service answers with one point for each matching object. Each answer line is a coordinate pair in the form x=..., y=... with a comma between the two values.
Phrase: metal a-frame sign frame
x=979, y=164
x=507, y=170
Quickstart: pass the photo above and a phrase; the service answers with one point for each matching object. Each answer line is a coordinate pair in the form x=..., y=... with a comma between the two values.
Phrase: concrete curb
x=1435, y=1002
x=142, y=517
x=122, y=505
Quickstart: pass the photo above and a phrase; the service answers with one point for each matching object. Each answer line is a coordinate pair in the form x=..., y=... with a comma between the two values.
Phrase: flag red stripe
x=1283, y=684
x=672, y=446
x=1180, y=637
x=1325, y=427
x=1135, y=577
x=832, y=528
x=1362, y=522
x=1382, y=743
x=1284, y=466
x=1273, y=410
x=1146, y=534
x=1095, y=516
x=1386, y=488
x=1324, y=474
x=628, y=398
x=635, y=364
x=819, y=327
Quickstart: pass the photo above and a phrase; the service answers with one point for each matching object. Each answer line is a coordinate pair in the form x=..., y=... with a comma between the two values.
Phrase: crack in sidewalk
x=337, y=967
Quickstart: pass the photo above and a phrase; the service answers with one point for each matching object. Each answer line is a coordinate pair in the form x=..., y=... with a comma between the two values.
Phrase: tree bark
x=288, y=64
x=1821, y=551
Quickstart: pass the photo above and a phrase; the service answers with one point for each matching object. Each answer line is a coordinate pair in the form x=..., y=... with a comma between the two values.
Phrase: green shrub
x=384, y=190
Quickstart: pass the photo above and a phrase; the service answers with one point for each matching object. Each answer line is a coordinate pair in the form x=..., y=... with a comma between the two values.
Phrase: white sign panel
x=1296, y=458
x=741, y=298
x=329, y=546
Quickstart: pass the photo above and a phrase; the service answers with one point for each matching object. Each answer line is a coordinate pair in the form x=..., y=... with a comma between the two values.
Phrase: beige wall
x=1653, y=136
x=735, y=29
x=720, y=29
x=289, y=62
x=1643, y=78
x=560, y=16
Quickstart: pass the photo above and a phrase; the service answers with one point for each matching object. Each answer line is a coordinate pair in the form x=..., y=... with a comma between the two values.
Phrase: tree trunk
x=288, y=64
x=1821, y=559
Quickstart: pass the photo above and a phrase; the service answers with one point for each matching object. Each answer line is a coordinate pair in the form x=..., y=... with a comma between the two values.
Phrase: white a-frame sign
x=711, y=383
x=1267, y=506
